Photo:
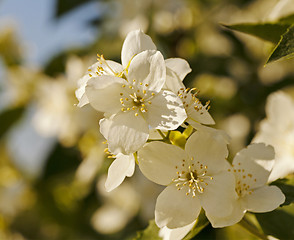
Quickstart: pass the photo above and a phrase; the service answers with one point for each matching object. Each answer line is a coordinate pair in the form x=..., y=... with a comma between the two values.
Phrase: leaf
x=285, y=47
x=64, y=6
x=201, y=223
x=267, y=31
x=287, y=189
x=151, y=232
x=287, y=19
x=8, y=118
x=277, y=223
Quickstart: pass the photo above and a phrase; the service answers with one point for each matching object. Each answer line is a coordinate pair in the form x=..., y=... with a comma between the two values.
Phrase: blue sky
x=40, y=34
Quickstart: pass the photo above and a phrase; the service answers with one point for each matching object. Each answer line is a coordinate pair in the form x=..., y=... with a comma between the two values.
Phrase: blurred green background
x=52, y=163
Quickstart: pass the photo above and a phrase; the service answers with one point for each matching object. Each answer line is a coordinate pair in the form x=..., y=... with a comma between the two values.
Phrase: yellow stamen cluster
x=190, y=99
x=136, y=99
x=192, y=175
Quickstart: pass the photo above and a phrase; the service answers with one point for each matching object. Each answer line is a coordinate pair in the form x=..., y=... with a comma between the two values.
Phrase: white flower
x=278, y=130
x=102, y=67
x=251, y=167
x=176, y=233
x=136, y=103
x=195, y=177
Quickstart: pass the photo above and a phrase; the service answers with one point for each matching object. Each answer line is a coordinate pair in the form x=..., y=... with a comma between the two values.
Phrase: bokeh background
x=52, y=160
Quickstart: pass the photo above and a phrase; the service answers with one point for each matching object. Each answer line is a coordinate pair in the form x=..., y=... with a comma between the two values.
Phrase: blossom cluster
x=145, y=95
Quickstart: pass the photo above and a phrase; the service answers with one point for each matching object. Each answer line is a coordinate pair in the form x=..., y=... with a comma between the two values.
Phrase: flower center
x=135, y=98
x=192, y=177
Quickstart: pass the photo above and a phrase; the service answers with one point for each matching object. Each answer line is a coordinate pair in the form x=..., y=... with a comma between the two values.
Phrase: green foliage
x=151, y=232
x=285, y=47
x=277, y=223
x=201, y=223
x=64, y=6
x=287, y=189
x=267, y=31
x=8, y=118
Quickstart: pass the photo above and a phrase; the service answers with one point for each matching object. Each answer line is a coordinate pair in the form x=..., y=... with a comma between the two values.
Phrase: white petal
x=174, y=209
x=135, y=42
x=166, y=111
x=81, y=96
x=198, y=116
x=236, y=215
x=158, y=161
x=173, y=82
x=127, y=133
x=179, y=66
x=105, y=124
x=219, y=194
x=280, y=108
x=148, y=68
x=264, y=199
x=283, y=166
x=209, y=148
x=122, y=166
x=104, y=93
x=176, y=233
x=257, y=159
x=113, y=67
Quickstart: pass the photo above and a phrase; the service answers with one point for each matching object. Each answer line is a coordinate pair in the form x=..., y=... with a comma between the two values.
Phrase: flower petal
x=219, y=194
x=179, y=66
x=173, y=82
x=176, y=233
x=264, y=199
x=174, y=209
x=158, y=161
x=209, y=148
x=122, y=166
x=103, y=93
x=257, y=160
x=127, y=133
x=236, y=215
x=148, y=70
x=166, y=111
x=135, y=42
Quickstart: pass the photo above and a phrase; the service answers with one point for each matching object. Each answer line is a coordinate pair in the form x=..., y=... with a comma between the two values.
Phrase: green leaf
x=287, y=189
x=285, y=47
x=201, y=223
x=287, y=19
x=151, y=232
x=277, y=223
x=267, y=31
x=64, y=6
x=8, y=118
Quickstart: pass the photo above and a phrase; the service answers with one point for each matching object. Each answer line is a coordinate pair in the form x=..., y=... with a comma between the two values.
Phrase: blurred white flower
x=251, y=167
x=278, y=130
x=119, y=207
x=195, y=177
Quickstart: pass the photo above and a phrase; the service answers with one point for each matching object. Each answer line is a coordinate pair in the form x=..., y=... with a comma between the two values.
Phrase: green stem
x=245, y=223
x=161, y=133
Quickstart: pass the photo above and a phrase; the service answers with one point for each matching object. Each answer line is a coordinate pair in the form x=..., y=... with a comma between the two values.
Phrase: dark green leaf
x=285, y=47
x=277, y=223
x=201, y=223
x=151, y=232
x=267, y=31
x=64, y=6
x=8, y=118
x=287, y=189
x=287, y=19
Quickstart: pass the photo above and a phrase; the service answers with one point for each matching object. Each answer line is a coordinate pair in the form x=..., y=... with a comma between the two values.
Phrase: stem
x=161, y=133
x=245, y=223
